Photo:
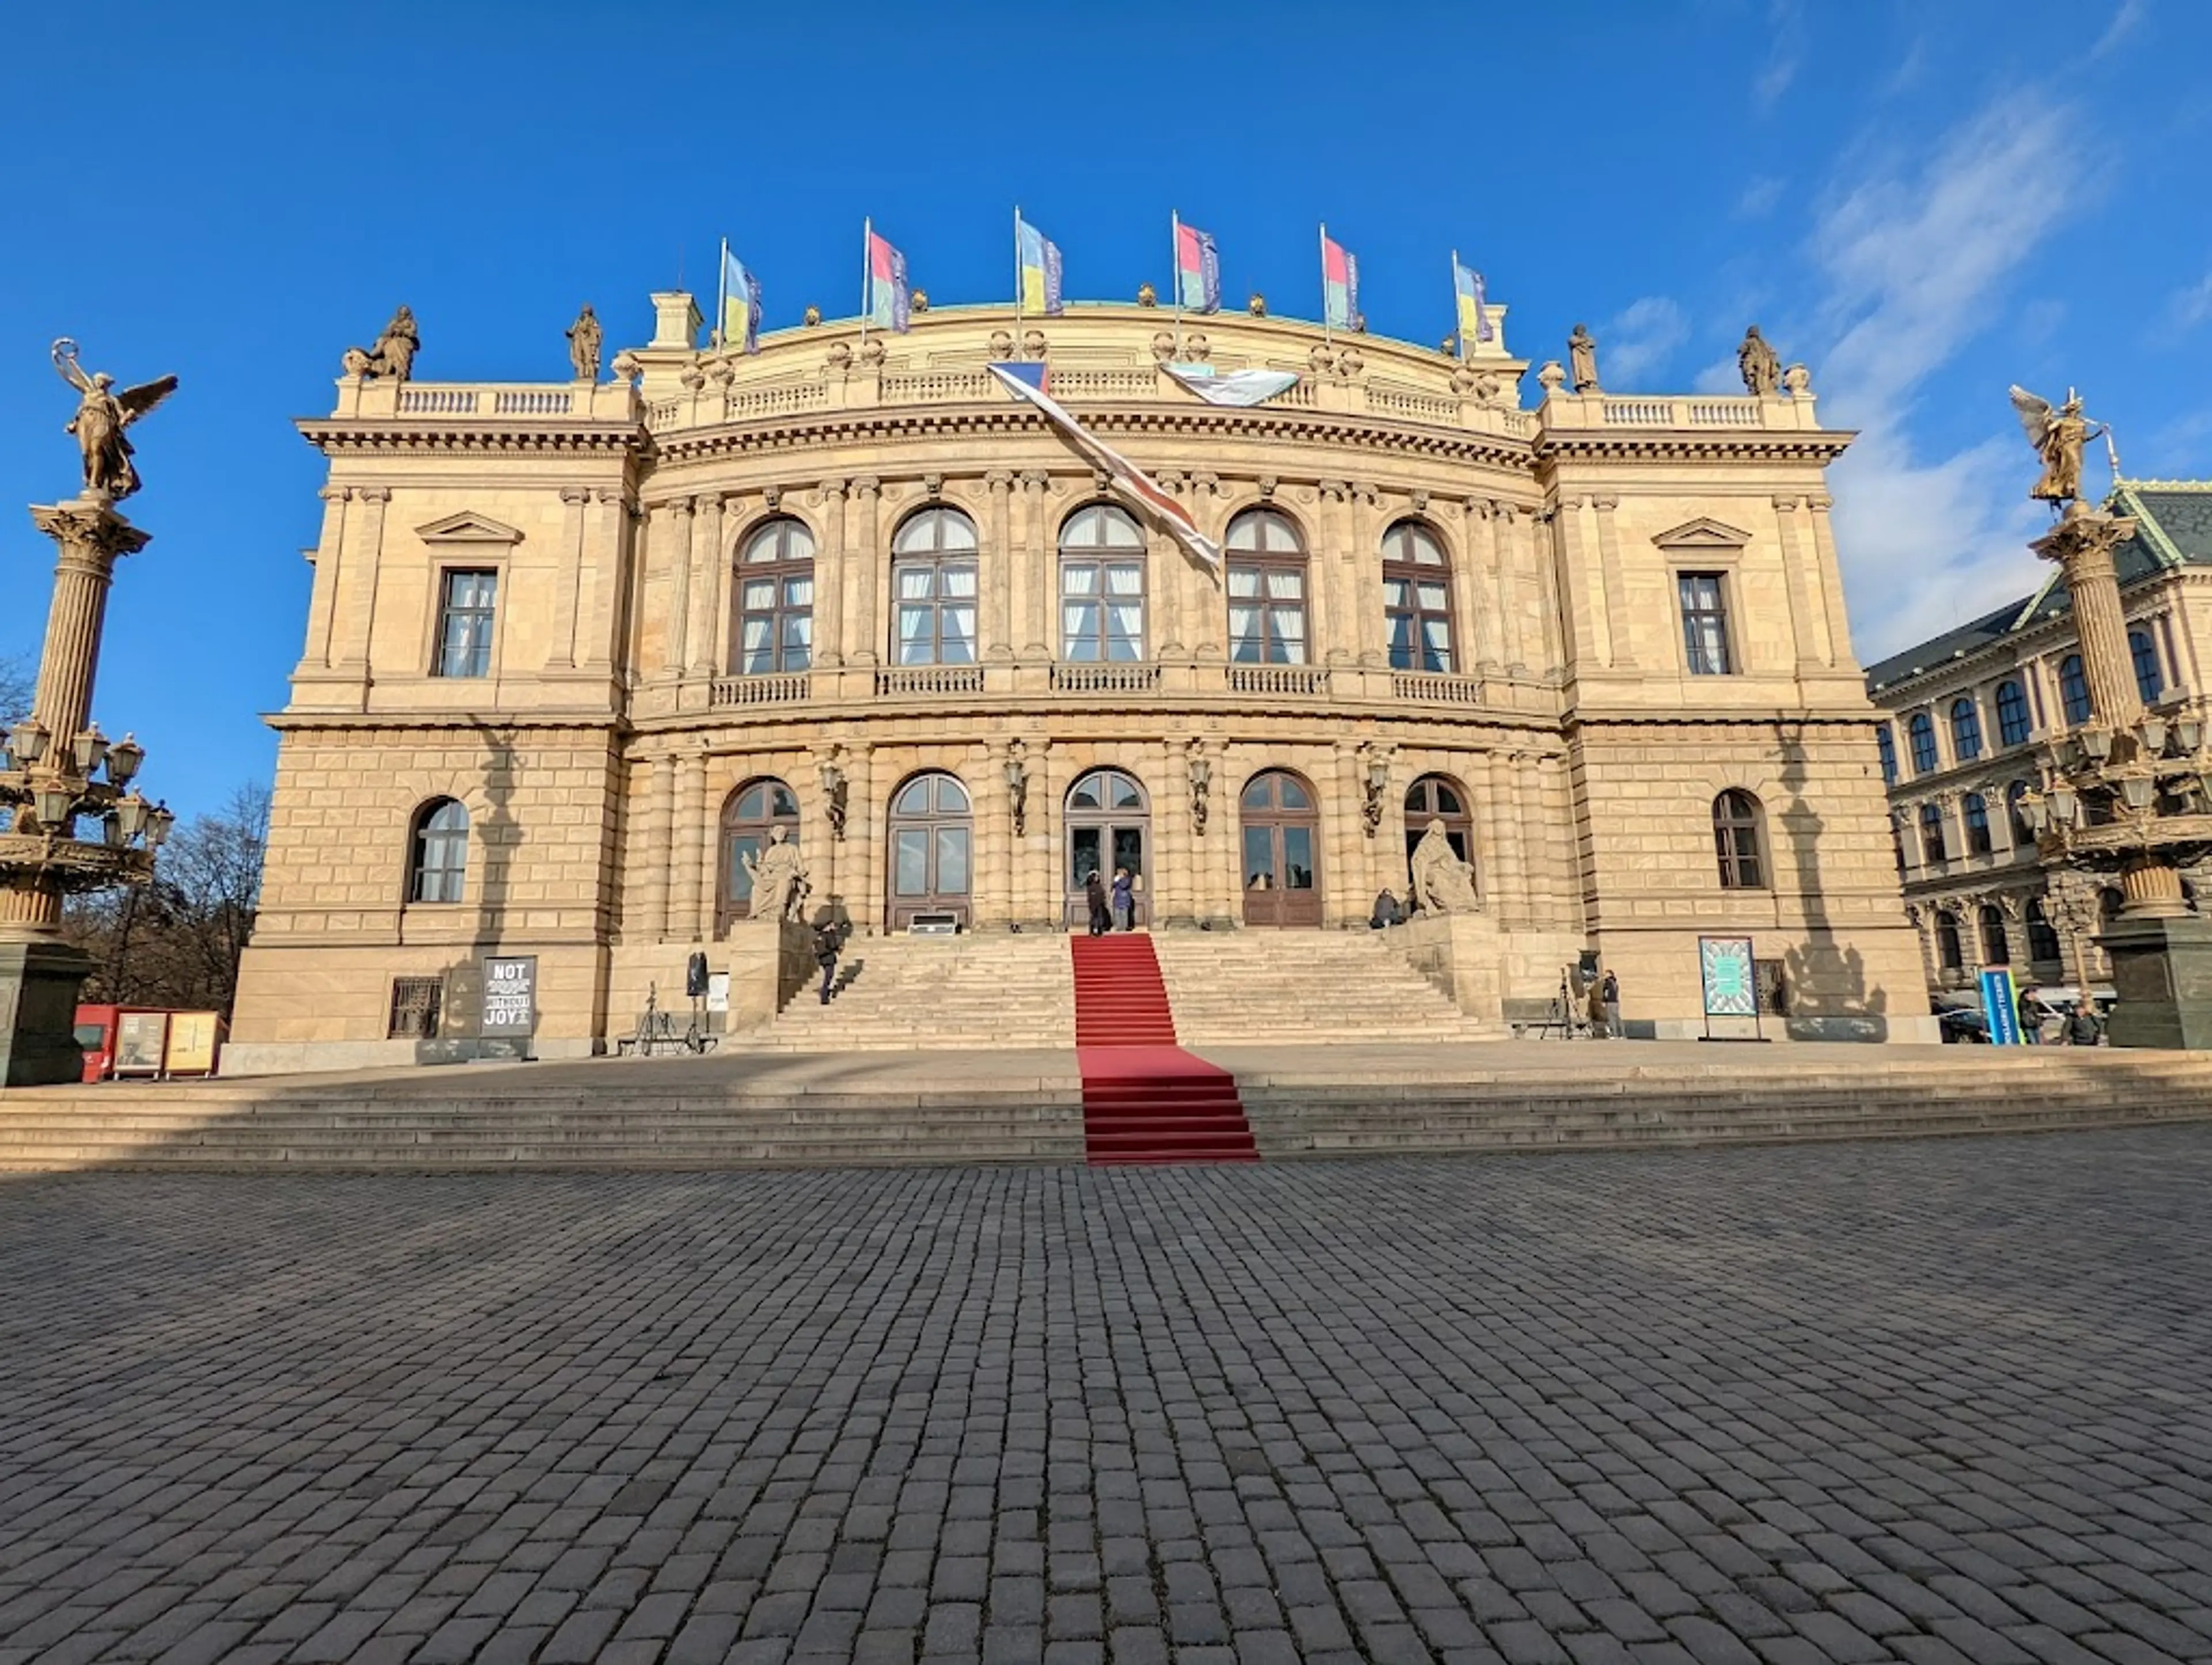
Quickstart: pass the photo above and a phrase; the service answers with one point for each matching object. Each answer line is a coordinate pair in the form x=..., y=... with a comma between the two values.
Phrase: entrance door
x=1109, y=826
x=933, y=833
x=1281, y=829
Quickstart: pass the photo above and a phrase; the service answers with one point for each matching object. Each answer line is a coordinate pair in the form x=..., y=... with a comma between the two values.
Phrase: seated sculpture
x=779, y=879
x=1443, y=883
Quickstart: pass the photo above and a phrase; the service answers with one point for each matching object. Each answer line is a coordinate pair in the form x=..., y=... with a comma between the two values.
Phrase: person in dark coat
x=1094, y=893
x=1124, y=900
x=1386, y=913
x=828, y=940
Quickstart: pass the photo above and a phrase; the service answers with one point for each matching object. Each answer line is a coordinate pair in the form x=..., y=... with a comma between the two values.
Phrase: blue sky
x=1922, y=202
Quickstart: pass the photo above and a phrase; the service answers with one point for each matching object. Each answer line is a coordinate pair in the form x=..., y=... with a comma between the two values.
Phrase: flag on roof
x=1197, y=271
x=887, y=287
x=1040, y=269
x=1017, y=379
x=741, y=303
x=1238, y=387
x=1340, y=285
x=1473, y=311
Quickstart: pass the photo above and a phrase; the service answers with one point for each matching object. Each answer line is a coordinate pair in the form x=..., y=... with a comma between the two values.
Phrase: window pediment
x=468, y=527
x=1703, y=534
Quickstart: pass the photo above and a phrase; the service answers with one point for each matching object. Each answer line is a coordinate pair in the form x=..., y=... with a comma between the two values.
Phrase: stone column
x=1343, y=837
x=708, y=558
x=1922, y=922
x=657, y=857
x=1508, y=889
x=1551, y=879
x=679, y=540
x=1477, y=593
x=1032, y=580
x=605, y=555
x=993, y=858
x=575, y=579
x=1622, y=654
x=322, y=603
x=1807, y=644
x=690, y=841
x=831, y=574
x=1583, y=586
x=1164, y=595
x=1362, y=589
x=1835, y=618
x=1332, y=636
x=866, y=570
x=867, y=819
x=363, y=562
x=998, y=564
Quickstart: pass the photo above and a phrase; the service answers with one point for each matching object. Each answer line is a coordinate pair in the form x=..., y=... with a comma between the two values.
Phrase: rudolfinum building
x=577, y=650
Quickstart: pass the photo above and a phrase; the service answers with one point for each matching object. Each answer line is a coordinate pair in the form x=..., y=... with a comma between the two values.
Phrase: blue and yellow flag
x=741, y=304
x=1473, y=313
x=1039, y=258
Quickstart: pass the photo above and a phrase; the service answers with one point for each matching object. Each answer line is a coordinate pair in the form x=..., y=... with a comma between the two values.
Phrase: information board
x=191, y=1044
x=2000, y=1006
x=510, y=998
x=141, y=1039
x=1730, y=980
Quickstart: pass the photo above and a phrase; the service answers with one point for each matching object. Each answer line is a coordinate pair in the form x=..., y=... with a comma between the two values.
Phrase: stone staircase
x=903, y=992
x=1228, y=987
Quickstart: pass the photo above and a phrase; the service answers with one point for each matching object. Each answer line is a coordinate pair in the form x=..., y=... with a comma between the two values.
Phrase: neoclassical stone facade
x=573, y=650
x=1966, y=713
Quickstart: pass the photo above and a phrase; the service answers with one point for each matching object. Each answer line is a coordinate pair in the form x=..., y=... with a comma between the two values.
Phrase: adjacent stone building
x=1965, y=714
x=576, y=650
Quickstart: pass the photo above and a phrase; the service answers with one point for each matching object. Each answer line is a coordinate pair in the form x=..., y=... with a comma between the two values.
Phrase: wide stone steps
x=1231, y=987
x=914, y=993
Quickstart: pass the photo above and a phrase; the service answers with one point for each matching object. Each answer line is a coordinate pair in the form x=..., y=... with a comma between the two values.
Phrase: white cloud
x=1641, y=340
x=1759, y=197
x=2193, y=305
x=1723, y=376
x=2131, y=14
x=1783, y=56
x=1914, y=263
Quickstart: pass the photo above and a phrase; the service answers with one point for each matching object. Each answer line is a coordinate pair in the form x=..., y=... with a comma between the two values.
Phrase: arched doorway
x=933, y=833
x=1281, y=843
x=1109, y=825
x=1439, y=797
x=754, y=811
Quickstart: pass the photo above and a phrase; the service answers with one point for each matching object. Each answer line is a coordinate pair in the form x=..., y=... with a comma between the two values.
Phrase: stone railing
x=779, y=689
x=907, y=682
x=523, y=401
x=432, y=400
x=1387, y=401
x=1074, y=386
x=1598, y=409
x=775, y=401
x=1105, y=679
x=1304, y=680
x=1430, y=689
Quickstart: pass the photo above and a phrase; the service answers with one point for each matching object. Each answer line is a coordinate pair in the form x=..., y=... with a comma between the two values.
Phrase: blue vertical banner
x=2000, y=1006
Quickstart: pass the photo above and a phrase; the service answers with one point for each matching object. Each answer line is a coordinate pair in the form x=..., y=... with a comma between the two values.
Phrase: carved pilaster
x=1001, y=565
x=1623, y=656
x=329, y=565
x=1036, y=567
x=868, y=570
x=832, y=573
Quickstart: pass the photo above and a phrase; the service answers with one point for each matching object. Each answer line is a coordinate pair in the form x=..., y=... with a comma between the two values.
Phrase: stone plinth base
x=2162, y=973
x=39, y=979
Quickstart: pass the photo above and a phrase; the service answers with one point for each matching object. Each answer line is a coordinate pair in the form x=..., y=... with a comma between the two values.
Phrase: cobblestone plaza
x=1931, y=1402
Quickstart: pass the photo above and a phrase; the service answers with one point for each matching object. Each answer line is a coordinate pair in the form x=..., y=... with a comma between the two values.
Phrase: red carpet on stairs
x=1144, y=1099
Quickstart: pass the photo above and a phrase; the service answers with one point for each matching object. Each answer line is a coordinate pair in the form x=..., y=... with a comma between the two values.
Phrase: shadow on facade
x=489, y=882
x=1828, y=996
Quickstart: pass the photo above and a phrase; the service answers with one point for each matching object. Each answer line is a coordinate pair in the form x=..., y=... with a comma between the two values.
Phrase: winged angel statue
x=2057, y=436
x=101, y=416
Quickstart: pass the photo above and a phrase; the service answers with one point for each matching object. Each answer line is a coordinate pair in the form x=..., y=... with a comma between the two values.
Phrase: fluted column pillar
x=1476, y=592
x=655, y=859
x=1509, y=888
x=1807, y=644
x=1333, y=637
x=1622, y=655
x=356, y=609
x=999, y=564
x=707, y=560
x=574, y=581
x=605, y=558
x=679, y=539
x=690, y=844
x=322, y=604
x=1830, y=587
x=831, y=574
x=1363, y=578
x=865, y=572
x=1031, y=580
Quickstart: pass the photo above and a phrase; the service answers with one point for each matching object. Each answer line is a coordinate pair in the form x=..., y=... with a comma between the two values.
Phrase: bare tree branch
x=16, y=688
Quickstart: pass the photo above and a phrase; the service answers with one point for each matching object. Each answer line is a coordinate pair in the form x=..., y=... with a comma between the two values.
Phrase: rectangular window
x=414, y=1008
x=1704, y=624
x=465, y=619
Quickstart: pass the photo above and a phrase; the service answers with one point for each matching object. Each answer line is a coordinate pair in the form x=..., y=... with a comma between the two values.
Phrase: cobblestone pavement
x=1932, y=1402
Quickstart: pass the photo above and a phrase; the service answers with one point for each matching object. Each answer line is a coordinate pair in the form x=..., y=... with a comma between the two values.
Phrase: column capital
x=1000, y=479
x=1819, y=504
x=1035, y=480
x=575, y=494
x=832, y=490
x=708, y=502
x=1333, y=491
x=1783, y=501
x=1605, y=505
x=867, y=486
x=680, y=507
x=374, y=494
x=335, y=494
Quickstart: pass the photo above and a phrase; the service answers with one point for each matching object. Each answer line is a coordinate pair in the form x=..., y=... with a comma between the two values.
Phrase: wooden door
x=1279, y=828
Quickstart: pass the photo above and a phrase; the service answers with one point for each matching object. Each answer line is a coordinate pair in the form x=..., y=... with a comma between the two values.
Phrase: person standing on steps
x=1608, y=992
x=828, y=940
x=1094, y=895
x=1124, y=900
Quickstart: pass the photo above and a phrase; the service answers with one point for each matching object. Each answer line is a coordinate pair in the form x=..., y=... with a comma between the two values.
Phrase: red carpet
x=1144, y=1099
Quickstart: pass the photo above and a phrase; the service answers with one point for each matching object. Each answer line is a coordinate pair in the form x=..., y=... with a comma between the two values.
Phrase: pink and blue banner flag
x=1340, y=286
x=1197, y=271
x=887, y=286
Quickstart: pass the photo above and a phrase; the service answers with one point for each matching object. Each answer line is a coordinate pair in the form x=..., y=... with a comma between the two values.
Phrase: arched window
x=749, y=819
x=1922, y=728
x=2016, y=807
x=2013, y=725
x=1966, y=729
x=1948, y=953
x=1975, y=811
x=931, y=834
x=1108, y=827
x=934, y=578
x=2073, y=689
x=1996, y=950
x=1279, y=825
x=2042, y=940
x=1102, y=587
x=1267, y=580
x=1735, y=841
x=1931, y=832
x=2150, y=681
x=1417, y=598
x=438, y=866
x=775, y=600
x=1886, y=743
x=1439, y=797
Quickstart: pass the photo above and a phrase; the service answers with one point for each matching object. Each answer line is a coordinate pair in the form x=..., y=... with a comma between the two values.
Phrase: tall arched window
x=1886, y=743
x=1949, y=952
x=1102, y=587
x=750, y=820
x=2073, y=689
x=2015, y=806
x=1931, y=833
x=1974, y=811
x=1417, y=598
x=775, y=600
x=1966, y=729
x=2042, y=940
x=934, y=579
x=1922, y=728
x=2150, y=681
x=2013, y=724
x=931, y=834
x=1735, y=841
x=1266, y=580
x=1995, y=949
x=438, y=862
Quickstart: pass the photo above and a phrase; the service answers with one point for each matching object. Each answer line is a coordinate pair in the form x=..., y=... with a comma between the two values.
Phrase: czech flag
x=1197, y=271
x=1473, y=314
x=1340, y=285
x=1040, y=266
x=887, y=289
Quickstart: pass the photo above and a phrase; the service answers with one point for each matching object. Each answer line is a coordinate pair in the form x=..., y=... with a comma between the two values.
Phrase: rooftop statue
x=2057, y=436
x=1582, y=360
x=101, y=416
x=393, y=356
x=584, y=339
x=1760, y=364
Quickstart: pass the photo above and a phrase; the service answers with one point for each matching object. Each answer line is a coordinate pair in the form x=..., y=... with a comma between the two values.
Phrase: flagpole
x=1459, y=330
x=1324, y=283
x=1174, y=274
x=1017, y=282
x=868, y=248
x=722, y=298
